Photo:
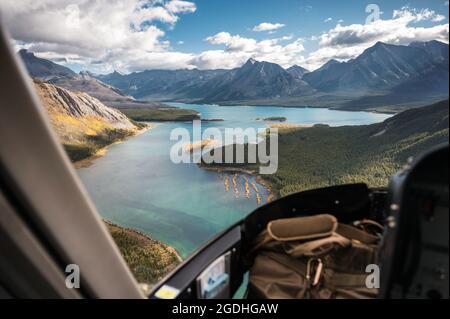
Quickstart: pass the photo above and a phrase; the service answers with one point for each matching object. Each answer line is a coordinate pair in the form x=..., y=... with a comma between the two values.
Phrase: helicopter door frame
x=55, y=209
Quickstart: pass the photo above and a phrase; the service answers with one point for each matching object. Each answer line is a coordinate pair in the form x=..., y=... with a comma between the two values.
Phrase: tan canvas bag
x=312, y=257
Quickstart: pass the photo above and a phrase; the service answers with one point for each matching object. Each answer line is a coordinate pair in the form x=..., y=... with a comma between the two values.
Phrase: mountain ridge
x=255, y=80
x=48, y=71
x=378, y=68
x=384, y=74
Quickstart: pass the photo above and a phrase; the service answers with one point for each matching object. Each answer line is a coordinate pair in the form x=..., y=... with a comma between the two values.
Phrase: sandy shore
x=288, y=126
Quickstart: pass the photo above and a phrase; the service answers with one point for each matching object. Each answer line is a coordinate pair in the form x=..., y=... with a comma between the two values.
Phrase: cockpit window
x=180, y=124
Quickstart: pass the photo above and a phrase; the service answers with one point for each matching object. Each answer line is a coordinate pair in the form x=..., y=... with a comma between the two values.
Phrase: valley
x=385, y=77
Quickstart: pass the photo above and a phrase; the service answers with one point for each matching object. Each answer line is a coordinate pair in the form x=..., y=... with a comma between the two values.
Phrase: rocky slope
x=82, y=122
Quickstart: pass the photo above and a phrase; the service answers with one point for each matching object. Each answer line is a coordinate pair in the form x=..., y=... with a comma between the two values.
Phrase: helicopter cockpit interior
x=48, y=221
x=413, y=252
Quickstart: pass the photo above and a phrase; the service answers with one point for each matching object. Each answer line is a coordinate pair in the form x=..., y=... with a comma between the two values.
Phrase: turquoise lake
x=136, y=184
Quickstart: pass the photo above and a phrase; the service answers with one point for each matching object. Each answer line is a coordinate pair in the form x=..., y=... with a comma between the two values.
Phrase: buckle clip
x=314, y=268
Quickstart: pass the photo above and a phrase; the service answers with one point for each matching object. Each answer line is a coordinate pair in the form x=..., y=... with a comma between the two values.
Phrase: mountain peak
x=328, y=64
x=297, y=71
x=379, y=44
x=252, y=61
x=117, y=73
x=332, y=61
x=25, y=52
x=377, y=47
x=87, y=74
x=298, y=67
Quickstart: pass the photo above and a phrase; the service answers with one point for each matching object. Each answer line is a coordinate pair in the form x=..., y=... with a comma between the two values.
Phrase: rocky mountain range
x=381, y=67
x=165, y=84
x=383, y=74
x=254, y=80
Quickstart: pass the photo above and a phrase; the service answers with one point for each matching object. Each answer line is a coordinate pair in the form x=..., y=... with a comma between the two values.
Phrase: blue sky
x=134, y=35
x=303, y=19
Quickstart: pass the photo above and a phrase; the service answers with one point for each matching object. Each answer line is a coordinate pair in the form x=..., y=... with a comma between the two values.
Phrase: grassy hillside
x=160, y=114
x=321, y=155
x=149, y=260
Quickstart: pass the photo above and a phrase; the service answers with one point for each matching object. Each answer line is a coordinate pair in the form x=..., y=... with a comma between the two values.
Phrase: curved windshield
x=181, y=122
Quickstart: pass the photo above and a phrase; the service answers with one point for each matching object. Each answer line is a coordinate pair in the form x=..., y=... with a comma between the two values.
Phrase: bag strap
x=342, y=236
x=311, y=248
x=348, y=280
x=354, y=233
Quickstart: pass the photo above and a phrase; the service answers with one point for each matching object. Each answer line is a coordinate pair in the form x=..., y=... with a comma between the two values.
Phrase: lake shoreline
x=249, y=103
x=88, y=161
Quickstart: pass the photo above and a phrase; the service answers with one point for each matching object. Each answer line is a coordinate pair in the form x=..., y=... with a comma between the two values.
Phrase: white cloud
x=346, y=42
x=266, y=26
x=233, y=42
x=87, y=32
x=238, y=49
x=328, y=20
x=104, y=35
x=177, y=6
x=414, y=15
